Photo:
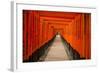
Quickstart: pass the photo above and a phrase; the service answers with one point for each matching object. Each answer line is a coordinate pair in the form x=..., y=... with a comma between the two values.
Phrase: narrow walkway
x=56, y=51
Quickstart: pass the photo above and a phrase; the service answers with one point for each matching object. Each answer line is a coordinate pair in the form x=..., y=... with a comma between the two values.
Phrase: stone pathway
x=57, y=51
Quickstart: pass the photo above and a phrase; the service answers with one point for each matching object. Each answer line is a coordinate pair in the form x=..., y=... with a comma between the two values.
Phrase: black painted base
x=40, y=52
x=73, y=53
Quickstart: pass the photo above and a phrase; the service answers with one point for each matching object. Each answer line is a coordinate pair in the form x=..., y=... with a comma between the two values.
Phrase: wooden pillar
x=25, y=34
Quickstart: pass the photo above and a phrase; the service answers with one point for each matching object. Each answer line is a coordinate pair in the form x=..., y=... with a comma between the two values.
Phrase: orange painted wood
x=41, y=26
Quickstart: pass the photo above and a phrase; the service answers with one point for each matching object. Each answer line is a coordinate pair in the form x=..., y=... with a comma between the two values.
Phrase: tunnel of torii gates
x=39, y=27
